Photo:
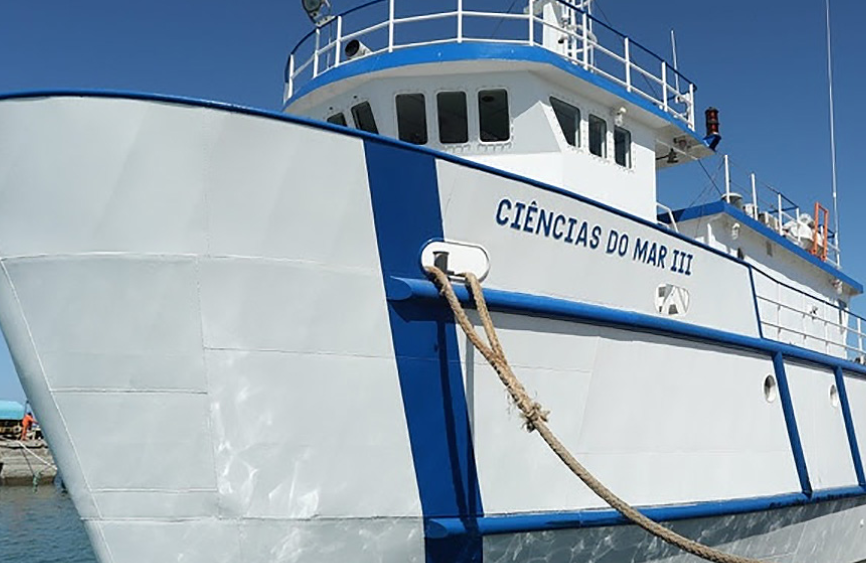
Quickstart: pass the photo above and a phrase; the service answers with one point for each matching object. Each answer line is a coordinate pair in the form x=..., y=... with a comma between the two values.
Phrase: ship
x=224, y=318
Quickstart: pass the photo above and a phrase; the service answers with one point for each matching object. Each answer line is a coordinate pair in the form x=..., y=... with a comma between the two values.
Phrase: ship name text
x=534, y=220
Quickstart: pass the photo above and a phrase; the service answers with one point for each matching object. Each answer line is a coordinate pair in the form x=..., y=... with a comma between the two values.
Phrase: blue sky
x=763, y=64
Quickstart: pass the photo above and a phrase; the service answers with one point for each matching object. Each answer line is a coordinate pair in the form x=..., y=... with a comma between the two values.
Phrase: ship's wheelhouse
x=553, y=94
x=548, y=92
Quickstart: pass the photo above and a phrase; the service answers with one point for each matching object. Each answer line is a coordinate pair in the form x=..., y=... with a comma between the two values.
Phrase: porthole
x=771, y=389
x=834, y=395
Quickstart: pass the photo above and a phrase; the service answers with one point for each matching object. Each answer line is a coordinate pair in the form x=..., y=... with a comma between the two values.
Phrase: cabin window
x=495, y=124
x=412, y=118
x=363, y=116
x=622, y=146
x=597, y=136
x=568, y=117
x=338, y=119
x=453, y=121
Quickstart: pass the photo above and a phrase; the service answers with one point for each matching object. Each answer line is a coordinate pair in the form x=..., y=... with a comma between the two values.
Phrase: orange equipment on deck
x=819, y=232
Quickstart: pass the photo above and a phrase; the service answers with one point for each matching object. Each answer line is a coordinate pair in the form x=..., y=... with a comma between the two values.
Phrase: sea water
x=41, y=527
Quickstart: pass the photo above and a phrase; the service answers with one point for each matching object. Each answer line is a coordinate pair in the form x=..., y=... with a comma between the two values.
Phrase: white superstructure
x=241, y=294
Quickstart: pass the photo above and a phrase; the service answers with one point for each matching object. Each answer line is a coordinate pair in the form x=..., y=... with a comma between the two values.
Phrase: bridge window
x=597, y=136
x=363, y=116
x=568, y=117
x=493, y=116
x=338, y=119
x=453, y=121
x=412, y=118
x=622, y=146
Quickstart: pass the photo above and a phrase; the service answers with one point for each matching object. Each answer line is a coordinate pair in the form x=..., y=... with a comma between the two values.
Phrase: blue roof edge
x=718, y=207
x=454, y=52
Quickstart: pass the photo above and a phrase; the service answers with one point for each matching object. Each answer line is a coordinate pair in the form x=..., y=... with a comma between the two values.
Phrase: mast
x=832, y=135
x=676, y=67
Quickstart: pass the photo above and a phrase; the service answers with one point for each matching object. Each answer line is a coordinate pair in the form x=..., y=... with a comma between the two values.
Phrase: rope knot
x=532, y=415
x=535, y=417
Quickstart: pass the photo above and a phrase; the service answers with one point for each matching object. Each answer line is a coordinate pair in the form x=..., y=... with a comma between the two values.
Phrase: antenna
x=832, y=136
x=676, y=67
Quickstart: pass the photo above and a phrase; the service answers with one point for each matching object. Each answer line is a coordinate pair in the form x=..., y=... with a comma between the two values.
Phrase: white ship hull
x=221, y=321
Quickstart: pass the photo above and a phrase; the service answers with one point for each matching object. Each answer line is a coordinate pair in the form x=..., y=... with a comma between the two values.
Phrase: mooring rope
x=535, y=419
x=37, y=475
x=47, y=464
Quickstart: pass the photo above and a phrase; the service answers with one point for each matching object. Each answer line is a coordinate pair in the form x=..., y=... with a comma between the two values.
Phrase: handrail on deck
x=581, y=39
x=671, y=223
x=809, y=310
x=781, y=214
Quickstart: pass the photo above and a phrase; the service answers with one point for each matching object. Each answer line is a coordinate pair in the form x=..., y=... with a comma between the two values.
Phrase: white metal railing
x=563, y=28
x=771, y=207
x=666, y=211
x=791, y=315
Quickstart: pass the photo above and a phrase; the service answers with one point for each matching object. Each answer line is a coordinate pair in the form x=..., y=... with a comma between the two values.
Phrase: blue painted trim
x=243, y=110
x=717, y=207
x=755, y=301
x=849, y=426
x=455, y=52
x=837, y=493
x=406, y=288
x=817, y=298
x=698, y=211
x=791, y=423
x=426, y=350
x=595, y=22
x=316, y=124
x=400, y=289
x=521, y=523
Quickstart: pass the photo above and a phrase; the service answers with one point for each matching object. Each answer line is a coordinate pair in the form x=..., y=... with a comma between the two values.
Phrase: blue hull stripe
x=405, y=197
x=551, y=307
x=405, y=290
x=849, y=426
x=463, y=492
x=401, y=289
x=522, y=523
x=791, y=423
